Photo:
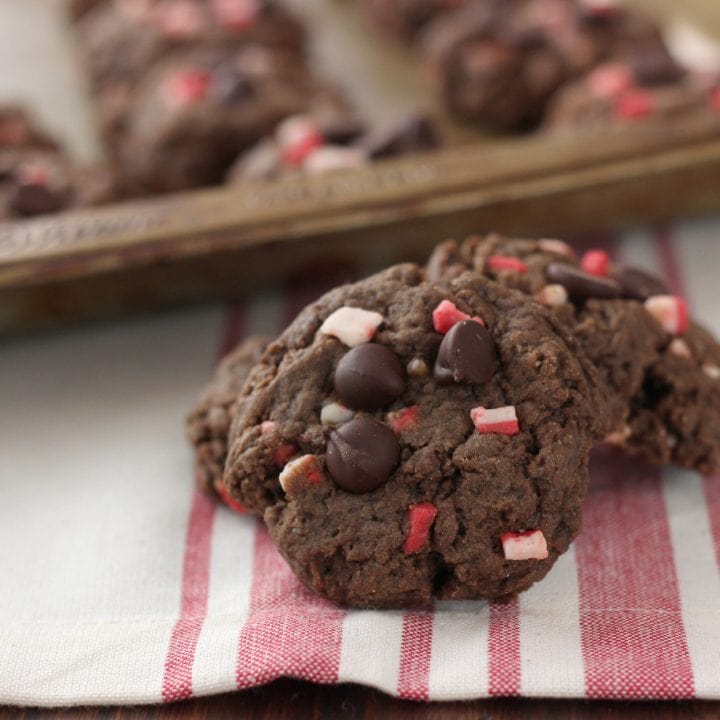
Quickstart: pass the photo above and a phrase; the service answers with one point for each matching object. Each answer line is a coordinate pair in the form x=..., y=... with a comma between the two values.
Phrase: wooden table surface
x=292, y=700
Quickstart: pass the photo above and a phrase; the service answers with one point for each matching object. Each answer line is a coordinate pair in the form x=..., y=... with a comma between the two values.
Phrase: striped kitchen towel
x=121, y=584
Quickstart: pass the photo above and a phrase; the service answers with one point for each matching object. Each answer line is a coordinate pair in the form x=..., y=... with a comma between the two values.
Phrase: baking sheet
x=39, y=64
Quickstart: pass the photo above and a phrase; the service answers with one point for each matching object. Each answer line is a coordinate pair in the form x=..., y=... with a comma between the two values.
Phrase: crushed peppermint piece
x=304, y=469
x=618, y=437
x=334, y=413
x=502, y=420
x=596, y=262
x=283, y=453
x=233, y=504
x=329, y=157
x=352, y=326
x=421, y=518
x=446, y=314
x=711, y=370
x=680, y=348
x=552, y=295
x=670, y=311
x=498, y=263
x=634, y=105
x=187, y=87
x=400, y=420
x=610, y=80
x=237, y=14
x=526, y=545
x=267, y=426
x=298, y=136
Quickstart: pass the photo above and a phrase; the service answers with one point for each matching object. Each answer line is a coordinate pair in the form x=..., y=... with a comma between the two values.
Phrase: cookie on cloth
x=664, y=404
x=209, y=422
x=405, y=441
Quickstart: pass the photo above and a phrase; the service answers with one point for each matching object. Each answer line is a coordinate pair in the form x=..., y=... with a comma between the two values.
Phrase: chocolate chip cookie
x=209, y=422
x=405, y=440
x=660, y=372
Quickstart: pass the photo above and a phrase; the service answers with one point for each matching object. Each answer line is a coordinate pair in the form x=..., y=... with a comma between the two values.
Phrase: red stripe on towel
x=504, y=669
x=290, y=632
x=627, y=580
x=180, y=658
x=415, y=654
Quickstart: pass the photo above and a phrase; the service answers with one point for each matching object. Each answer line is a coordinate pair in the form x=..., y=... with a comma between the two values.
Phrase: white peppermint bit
x=680, y=348
x=352, y=326
x=528, y=545
x=712, y=371
x=335, y=414
x=330, y=157
x=304, y=468
x=295, y=130
x=552, y=295
x=618, y=437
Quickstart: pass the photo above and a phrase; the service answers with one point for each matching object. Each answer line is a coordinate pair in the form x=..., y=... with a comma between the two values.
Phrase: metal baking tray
x=219, y=243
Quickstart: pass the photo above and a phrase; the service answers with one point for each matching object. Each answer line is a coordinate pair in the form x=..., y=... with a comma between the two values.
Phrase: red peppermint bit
x=283, y=453
x=502, y=421
x=446, y=314
x=297, y=152
x=611, y=80
x=715, y=99
x=596, y=262
x=34, y=174
x=403, y=419
x=236, y=14
x=498, y=263
x=421, y=517
x=179, y=19
x=233, y=504
x=189, y=86
x=634, y=105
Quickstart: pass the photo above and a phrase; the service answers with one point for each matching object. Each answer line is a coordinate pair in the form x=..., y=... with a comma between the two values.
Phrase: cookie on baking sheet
x=209, y=422
x=406, y=441
x=661, y=374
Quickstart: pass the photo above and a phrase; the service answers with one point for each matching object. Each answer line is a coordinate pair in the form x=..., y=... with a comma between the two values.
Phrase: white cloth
x=120, y=584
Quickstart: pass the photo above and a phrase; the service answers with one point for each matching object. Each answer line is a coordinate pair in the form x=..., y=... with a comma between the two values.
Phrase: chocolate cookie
x=209, y=422
x=663, y=403
x=193, y=114
x=405, y=441
x=499, y=62
x=619, y=94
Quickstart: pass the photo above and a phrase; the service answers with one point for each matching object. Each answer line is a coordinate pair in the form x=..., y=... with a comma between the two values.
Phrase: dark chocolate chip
x=412, y=135
x=29, y=199
x=231, y=87
x=466, y=354
x=581, y=285
x=369, y=376
x=362, y=454
x=342, y=132
x=638, y=284
x=655, y=68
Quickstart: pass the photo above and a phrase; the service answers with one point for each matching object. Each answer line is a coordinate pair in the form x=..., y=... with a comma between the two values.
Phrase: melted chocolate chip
x=362, y=454
x=655, y=68
x=638, y=284
x=581, y=285
x=34, y=199
x=466, y=354
x=369, y=376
